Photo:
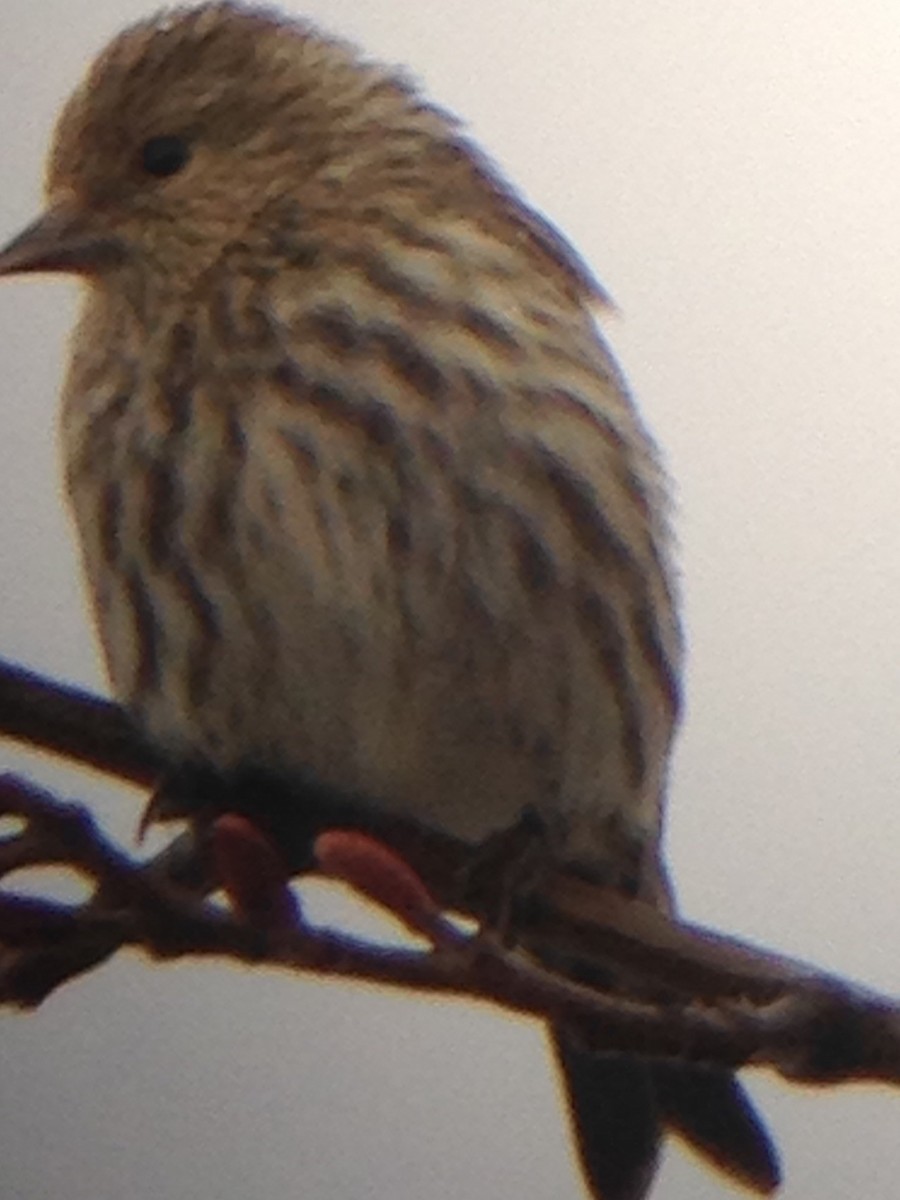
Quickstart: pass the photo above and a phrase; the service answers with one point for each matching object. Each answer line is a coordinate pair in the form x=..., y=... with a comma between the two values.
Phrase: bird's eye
x=164, y=156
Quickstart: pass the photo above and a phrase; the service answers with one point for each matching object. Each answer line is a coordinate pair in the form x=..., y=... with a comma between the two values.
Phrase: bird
x=362, y=495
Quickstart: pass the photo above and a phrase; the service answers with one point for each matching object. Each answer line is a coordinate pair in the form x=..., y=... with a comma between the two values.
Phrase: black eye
x=164, y=156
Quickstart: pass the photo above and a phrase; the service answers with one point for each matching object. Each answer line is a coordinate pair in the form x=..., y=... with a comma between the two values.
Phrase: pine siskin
x=361, y=494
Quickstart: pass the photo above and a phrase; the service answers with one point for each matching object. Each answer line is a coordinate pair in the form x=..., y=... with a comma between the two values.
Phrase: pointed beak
x=64, y=238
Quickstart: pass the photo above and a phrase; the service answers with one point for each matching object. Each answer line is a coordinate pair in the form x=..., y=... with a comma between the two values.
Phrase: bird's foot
x=505, y=874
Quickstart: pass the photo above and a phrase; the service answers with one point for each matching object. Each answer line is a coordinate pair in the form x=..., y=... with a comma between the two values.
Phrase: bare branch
x=692, y=994
x=73, y=723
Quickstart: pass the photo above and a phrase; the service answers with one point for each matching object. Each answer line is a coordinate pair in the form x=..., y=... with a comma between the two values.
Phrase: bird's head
x=229, y=135
x=221, y=129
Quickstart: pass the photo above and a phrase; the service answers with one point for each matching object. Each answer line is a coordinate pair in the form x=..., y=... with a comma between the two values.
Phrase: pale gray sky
x=732, y=173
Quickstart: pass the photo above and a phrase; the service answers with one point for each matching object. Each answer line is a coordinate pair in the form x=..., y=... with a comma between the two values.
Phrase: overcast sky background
x=732, y=173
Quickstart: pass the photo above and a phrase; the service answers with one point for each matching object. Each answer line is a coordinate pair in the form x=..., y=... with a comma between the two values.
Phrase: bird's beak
x=64, y=238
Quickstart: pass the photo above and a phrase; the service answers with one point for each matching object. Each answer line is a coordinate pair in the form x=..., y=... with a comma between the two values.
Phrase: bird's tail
x=622, y=1107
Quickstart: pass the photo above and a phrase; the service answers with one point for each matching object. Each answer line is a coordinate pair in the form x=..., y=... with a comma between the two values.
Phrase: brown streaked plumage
x=361, y=492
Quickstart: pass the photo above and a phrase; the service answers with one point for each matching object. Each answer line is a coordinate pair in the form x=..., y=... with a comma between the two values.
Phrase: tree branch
x=692, y=994
x=73, y=723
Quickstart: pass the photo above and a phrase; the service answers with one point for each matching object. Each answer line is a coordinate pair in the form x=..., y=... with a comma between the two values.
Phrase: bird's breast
x=437, y=613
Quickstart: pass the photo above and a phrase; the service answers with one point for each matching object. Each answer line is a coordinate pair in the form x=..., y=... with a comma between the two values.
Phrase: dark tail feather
x=614, y=1118
x=621, y=1106
x=708, y=1107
